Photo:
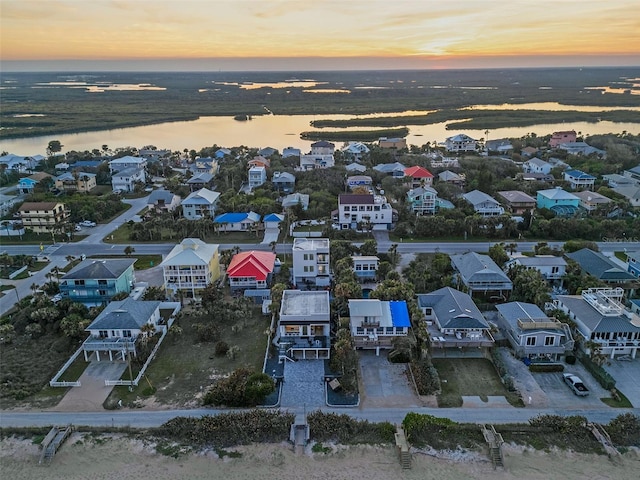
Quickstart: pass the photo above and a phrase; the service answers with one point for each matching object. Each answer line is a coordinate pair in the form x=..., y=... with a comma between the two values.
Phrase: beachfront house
x=532, y=334
x=115, y=330
x=304, y=324
x=454, y=321
x=601, y=317
x=375, y=324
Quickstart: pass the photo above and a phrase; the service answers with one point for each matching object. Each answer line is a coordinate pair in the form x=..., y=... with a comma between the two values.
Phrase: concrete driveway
x=270, y=235
x=560, y=395
x=92, y=393
x=627, y=375
x=384, y=384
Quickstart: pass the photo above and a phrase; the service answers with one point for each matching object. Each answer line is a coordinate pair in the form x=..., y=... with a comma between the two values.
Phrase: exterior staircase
x=404, y=454
x=495, y=441
x=52, y=442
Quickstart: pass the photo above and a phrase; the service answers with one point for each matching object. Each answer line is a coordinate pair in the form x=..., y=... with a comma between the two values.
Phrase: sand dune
x=88, y=458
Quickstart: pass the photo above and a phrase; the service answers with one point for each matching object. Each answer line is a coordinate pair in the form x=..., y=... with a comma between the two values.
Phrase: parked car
x=78, y=228
x=87, y=223
x=575, y=384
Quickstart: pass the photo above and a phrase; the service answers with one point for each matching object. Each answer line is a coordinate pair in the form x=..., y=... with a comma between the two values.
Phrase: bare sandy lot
x=87, y=458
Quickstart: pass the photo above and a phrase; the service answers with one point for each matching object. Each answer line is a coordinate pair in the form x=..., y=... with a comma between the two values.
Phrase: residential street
x=145, y=418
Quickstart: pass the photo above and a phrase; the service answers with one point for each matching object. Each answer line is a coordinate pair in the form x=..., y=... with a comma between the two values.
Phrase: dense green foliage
x=226, y=430
x=347, y=430
x=242, y=388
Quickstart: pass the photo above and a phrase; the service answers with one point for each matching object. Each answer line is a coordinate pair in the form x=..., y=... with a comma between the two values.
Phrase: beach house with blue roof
x=579, y=180
x=563, y=204
x=236, y=222
x=375, y=324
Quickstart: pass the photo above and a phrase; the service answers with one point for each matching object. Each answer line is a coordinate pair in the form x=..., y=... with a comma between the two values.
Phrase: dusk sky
x=316, y=34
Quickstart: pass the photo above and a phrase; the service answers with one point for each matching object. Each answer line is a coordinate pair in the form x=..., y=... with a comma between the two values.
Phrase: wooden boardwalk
x=402, y=445
x=495, y=441
x=52, y=442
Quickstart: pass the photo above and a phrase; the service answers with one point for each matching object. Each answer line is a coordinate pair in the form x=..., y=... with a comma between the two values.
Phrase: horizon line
x=293, y=64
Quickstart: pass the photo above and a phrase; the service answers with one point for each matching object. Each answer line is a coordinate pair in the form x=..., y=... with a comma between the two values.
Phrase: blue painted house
x=633, y=263
x=95, y=282
x=558, y=201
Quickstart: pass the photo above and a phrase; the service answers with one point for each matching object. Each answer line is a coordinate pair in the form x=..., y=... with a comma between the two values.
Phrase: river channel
x=279, y=131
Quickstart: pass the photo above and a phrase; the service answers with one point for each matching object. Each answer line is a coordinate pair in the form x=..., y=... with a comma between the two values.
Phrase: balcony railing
x=93, y=344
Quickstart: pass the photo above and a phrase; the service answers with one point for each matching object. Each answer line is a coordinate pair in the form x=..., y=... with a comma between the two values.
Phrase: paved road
x=94, y=246
x=146, y=419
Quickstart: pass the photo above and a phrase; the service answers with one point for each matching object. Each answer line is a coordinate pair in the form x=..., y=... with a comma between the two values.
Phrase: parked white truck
x=575, y=384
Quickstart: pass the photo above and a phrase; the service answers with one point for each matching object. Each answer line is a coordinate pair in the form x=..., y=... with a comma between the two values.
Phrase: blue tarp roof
x=399, y=313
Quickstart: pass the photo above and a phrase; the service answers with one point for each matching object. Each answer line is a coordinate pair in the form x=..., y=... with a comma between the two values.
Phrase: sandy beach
x=115, y=457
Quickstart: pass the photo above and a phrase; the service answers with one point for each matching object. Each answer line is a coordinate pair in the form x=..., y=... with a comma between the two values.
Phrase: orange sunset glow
x=375, y=34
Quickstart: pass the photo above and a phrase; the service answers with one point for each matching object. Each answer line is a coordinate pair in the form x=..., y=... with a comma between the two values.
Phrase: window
x=549, y=341
x=102, y=282
x=428, y=311
x=103, y=334
x=78, y=282
x=531, y=341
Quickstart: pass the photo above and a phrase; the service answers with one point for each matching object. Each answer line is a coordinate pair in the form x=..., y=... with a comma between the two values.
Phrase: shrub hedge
x=229, y=429
x=546, y=367
x=345, y=429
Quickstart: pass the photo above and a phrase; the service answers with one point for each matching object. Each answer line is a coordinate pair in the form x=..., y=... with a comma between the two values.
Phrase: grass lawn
x=184, y=368
x=143, y=262
x=75, y=370
x=27, y=366
x=35, y=267
x=469, y=376
x=621, y=255
x=622, y=403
